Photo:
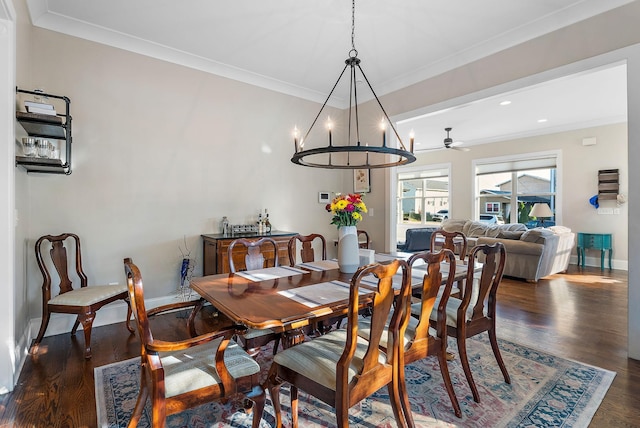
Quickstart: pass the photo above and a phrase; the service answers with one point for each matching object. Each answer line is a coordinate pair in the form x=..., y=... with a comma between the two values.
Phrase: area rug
x=545, y=391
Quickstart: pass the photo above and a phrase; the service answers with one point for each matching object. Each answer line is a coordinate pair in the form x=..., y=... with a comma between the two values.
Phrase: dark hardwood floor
x=581, y=315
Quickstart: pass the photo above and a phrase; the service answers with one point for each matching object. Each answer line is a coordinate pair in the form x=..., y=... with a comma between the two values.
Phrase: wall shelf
x=608, y=186
x=44, y=126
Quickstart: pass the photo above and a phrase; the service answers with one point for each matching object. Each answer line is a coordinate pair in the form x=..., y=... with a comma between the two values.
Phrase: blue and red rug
x=545, y=391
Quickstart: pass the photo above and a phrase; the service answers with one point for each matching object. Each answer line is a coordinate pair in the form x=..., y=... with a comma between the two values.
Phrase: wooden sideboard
x=215, y=258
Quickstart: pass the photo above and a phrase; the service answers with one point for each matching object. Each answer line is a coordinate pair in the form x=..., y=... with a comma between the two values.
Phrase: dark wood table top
x=261, y=304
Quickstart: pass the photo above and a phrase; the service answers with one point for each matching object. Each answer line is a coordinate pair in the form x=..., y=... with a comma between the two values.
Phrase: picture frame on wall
x=361, y=180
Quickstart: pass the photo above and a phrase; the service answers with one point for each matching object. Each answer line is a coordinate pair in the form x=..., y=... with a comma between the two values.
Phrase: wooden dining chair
x=475, y=311
x=253, y=339
x=176, y=376
x=307, y=252
x=367, y=242
x=254, y=259
x=419, y=343
x=454, y=241
x=83, y=300
x=341, y=368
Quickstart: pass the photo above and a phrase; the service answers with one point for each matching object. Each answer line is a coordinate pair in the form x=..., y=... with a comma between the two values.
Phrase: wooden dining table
x=291, y=299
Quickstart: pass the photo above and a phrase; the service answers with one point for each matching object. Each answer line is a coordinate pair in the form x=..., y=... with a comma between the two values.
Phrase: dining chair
x=253, y=339
x=475, y=311
x=341, y=368
x=254, y=259
x=367, y=242
x=307, y=252
x=84, y=300
x=419, y=343
x=179, y=375
x=454, y=241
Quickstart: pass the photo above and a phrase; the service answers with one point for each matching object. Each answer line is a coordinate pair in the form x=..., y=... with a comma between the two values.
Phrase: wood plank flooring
x=581, y=315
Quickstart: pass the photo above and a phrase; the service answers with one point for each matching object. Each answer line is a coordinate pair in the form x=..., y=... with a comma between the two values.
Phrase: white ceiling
x=299, y=47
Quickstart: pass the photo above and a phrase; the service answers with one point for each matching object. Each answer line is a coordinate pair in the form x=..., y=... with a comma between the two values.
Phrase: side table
x=597, y=241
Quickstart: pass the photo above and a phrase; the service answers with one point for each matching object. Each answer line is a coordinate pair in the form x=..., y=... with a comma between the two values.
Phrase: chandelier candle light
x=356, y=155
x=347, y=212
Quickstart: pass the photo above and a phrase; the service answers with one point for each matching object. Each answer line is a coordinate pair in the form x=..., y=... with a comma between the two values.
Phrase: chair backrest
x=383, y=298
x=454, y=241
x=366, y=242
x=480, y=290
x=431, y=284
x=60, y=261
x=254, y=258
x=418, y=239
x=136, y=297
x=307, y=253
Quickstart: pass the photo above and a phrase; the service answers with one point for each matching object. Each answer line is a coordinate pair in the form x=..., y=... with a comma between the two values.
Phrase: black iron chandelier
x=358, y=154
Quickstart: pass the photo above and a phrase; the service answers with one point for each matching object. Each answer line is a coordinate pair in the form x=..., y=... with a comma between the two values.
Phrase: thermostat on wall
x=324, y=197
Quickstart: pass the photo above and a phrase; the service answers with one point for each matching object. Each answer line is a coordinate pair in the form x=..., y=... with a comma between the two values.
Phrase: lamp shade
x=541, y=210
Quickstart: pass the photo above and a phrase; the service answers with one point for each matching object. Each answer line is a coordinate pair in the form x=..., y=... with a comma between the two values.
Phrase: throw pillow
x=453, y=225
x=535, y=235
x=507, y=234
x=559, y=229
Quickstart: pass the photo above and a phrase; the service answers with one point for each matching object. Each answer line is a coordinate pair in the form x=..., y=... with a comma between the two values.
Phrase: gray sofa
x=531, y=253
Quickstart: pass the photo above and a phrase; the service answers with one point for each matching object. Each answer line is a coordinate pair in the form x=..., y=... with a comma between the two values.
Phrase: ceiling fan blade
x=461, y=149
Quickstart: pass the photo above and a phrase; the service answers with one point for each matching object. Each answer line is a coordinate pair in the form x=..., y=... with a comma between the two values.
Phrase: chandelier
x=356, y=154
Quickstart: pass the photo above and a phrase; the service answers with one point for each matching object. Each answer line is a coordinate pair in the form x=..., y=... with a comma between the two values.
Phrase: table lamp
x=541, y=210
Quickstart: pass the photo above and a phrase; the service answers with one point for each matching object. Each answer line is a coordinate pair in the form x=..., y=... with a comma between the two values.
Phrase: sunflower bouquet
x=346, y=209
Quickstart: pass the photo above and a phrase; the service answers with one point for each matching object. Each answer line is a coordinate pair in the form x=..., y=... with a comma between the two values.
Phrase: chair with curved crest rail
x=366, y=242
x=341, y=368
x=253, y=339
x=176, y=376
x=475, y=311
x=454, y=241
x=83, y=300
x=307, y=252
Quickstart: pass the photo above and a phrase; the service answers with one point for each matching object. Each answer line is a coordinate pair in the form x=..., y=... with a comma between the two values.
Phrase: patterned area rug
x=545, y=391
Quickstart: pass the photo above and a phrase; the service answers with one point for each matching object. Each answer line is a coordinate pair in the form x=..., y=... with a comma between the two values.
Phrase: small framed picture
x=324, y=197
x=361, y=181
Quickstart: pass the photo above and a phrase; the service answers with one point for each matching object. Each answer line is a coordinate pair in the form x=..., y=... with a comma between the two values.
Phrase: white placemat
x=270, y=273
x=320, y=265
x=320, y=294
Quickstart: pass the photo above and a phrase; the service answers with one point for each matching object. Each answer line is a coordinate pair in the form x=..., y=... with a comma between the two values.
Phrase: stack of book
x=40, y=108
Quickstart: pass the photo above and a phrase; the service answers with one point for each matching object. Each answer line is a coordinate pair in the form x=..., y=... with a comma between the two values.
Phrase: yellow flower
x=361, y=206
x=341, y=204
x=356, y=216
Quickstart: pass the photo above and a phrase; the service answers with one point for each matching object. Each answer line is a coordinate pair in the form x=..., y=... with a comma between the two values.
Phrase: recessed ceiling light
x=505, y=103
x=542, y=120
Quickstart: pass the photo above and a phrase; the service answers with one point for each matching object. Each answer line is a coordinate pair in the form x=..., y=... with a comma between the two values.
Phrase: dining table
x=292, y=299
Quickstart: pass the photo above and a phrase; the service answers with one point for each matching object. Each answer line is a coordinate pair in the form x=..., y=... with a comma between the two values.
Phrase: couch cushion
x=559, y=229
x=453, y=225
x=512, y=227
x=507, y=234
x=476, y=229
x=535, y=235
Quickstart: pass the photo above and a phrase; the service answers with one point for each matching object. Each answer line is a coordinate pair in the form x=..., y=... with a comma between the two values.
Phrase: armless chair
x=419, y=343
x=253, y=339
x=307, y=253
x=367, y=242
x=454, y=241
x=255, y=258
x=176, y=376
x=83, y=300
x=475, y=311
x=341, y=368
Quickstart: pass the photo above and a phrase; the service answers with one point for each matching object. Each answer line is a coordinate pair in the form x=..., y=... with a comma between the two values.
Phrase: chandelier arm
x=325, y=103
x=382, y=108
x=355, y=101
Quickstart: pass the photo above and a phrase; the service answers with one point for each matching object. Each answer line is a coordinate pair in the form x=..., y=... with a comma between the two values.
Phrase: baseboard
x=110, y=314
x=595, y=262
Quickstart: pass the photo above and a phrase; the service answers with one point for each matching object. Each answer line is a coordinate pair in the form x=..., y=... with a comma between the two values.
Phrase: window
x=422, y=198
x=510, y=187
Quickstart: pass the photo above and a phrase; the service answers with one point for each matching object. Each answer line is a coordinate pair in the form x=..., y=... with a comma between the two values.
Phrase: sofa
x=531, y=253
x=417, y=239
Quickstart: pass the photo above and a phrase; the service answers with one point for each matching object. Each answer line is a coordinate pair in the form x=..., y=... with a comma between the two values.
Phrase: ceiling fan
x=450, y=144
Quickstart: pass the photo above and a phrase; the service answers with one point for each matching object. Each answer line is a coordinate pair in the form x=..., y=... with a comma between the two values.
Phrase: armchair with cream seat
x=84, y=300
x=176, y=376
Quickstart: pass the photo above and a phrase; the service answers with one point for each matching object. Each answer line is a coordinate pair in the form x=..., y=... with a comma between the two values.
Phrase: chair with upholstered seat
x=176, y=376
x=454, y=241
x=253, y=339
x=363, y=239
x=419, y=342
x=84, y=300
x=307, y=251
x=340, y=368
x=475, y=311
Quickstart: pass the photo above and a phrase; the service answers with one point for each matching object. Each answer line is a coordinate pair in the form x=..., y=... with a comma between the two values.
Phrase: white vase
x=348, y=249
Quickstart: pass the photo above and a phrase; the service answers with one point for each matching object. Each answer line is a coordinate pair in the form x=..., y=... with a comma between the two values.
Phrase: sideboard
x=215, y=258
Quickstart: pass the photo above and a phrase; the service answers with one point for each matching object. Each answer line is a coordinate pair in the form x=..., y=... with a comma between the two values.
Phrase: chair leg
x=444, y=370
x=496, y=352
x=462, y=350
x=191, y=322
x=400, y=403
x=140, y=402
x=257, y=395
x=43, y=327
x=294, y=406
x=75, y=327
x=273, y=385
x=128, y=324
x=87, y=321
